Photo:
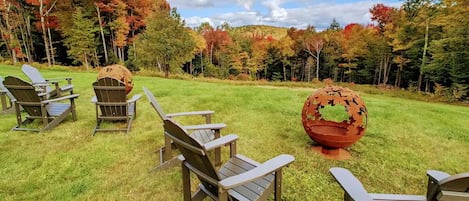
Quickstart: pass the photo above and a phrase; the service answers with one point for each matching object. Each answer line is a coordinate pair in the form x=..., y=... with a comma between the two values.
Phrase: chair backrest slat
x=24, y=92
x=3, y=88
x=110, y=90
x=155, y=103
x=457, y=183
x=190, y=149
x=34, y=75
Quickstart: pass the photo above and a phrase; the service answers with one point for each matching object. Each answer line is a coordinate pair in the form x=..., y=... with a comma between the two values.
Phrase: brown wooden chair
x=441, y=187
x=240, y=178
x=51, y=112
x=44, y=85
x=111, y=100
x=6, y=98
x=204, y=133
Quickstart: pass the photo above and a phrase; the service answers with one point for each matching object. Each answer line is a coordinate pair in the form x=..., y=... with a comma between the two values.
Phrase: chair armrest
x=134, y=98
x=351, y=185
x=202, y=113
x=66, y=87
x=268, y=167
x=56, y=79
x=41, y=84
x=227, y=139
x=205, y=126
x=463, y=196
x=436, y=175
x=61, y=98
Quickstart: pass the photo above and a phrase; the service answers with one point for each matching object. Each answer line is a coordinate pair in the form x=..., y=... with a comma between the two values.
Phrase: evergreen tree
x=80, y=39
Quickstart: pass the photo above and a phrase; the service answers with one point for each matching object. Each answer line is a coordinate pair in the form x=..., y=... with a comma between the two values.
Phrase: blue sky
x=282, y=13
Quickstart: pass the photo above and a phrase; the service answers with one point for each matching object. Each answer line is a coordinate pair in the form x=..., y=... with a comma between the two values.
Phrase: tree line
x=421, y=46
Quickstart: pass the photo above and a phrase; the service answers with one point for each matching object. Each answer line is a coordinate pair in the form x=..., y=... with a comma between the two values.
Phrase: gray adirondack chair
x=45, y=84
x=240, y=178
x=6, y=98
x=51, y=112
x=204, y=133
x=441, y=187
x=445, y=187
x=354, y=190
x=111, y=100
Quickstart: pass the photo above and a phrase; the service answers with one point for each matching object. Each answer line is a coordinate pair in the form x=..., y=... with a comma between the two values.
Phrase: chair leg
x=45, y=120
x=218, y=149
x=4, y=102
x=278, y=185
x=233, y=149
x=222, y=195
x=18, y=114
x=186, y=182
x=98, y=124
x=129, y=124
x=74, y=112
x=167, y=151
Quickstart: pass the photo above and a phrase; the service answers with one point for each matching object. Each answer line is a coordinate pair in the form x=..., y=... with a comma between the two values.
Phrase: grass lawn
x=404, y=138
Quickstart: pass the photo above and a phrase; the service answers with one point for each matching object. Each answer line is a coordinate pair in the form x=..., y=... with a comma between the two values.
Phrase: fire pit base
x=332, y=153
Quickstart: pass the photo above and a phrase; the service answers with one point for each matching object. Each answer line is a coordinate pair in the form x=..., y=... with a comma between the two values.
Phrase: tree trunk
x=25, y=43
x=398, y=76
x=211, y=53
x=86, y=61
x=284, y=72
x=7, y=31
x=106, y=59
x=379, y=69
x=166, y=68
x=386, y=70
x=96, y=59
x=52, y=54
x=318, y=52
x=44, y=34
x=202, y=61
x=424, y=58
x=29, y=35
x=114, y=47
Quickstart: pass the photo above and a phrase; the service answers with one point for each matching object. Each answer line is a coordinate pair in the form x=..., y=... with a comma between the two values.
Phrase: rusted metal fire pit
x=118, y=72
x=330, y=135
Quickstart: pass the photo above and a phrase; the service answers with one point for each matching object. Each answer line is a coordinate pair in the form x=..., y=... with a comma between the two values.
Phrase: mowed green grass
x=404, y=138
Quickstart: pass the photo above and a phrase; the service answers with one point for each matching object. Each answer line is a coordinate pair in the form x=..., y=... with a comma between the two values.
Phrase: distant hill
x=275, y=32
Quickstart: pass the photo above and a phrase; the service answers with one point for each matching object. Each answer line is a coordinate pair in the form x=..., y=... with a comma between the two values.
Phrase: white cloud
x=191, y=3
x=196, y=21
x=276, y=12
x=247, y=4
x=307, y=13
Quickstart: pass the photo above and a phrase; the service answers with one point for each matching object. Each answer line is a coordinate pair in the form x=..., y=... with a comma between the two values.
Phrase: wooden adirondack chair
x=354, y=190
x=441, y=187
x=240, y=178
x=204, y=133
x=49, y=111
x=112, y=101
x=445, y=187
x=45, y=84
x=7, y=104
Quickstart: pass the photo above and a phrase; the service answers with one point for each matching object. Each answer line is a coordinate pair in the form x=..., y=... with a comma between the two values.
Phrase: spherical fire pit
x=118, y=72
x=330, y=134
